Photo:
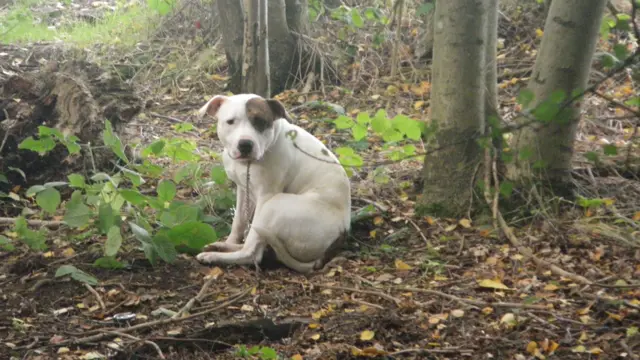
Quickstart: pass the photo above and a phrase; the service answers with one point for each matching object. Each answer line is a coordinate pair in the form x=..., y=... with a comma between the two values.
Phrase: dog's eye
x=231, y=121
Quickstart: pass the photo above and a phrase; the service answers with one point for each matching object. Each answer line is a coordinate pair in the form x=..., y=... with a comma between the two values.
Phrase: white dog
x=299, y=194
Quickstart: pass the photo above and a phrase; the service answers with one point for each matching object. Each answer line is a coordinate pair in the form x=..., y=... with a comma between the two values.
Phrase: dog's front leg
x=238, y=225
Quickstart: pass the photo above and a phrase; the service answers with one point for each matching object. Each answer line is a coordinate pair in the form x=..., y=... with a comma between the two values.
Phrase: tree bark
x=298, y=15
x=563, y=63
x=232, y=28
x=282, y=46
x=424, y=47
x=250, y=51
x=491, y=78
x=263, y=73
x=458, y=107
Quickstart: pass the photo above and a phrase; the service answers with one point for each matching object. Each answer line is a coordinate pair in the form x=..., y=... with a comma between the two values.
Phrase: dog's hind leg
x=282, y=253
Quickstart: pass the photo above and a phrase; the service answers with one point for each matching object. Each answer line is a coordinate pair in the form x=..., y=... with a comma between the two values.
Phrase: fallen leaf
x=595, y=351
x=487, y=310
x=509, y=319
x=418, y=104
x=465, y=223
x=68, y=252
x=378, y=220
x=553, y=346
x=457, y=313
x=632, y=331
x=532, y=346
x=550, y=287
x=584, y=311
x=48, y=254
x=451, y=227
x=315, y=336
x=579, y=349
x=214, y=273
x=493, y=284
x=367, y=335
x=636, y=216
x=402, y=266
x=297, y=357
x=539, y=33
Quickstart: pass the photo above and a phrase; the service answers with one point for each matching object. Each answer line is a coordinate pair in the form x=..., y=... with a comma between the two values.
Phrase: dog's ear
x=212, y=106
x=277, y=109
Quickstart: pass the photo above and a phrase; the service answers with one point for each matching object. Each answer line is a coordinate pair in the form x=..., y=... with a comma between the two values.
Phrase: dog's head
x=245, y=123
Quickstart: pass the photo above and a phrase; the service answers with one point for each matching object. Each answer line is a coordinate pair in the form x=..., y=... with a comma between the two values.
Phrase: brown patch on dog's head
x=212, y=106
x=263, y=112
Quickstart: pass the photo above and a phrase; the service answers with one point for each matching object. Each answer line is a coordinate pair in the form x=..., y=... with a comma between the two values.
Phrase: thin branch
x=46, y=223
x=96, y=295
x=149, y=342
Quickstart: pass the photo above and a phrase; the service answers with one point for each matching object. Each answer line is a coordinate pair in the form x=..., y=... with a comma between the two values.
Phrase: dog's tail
x=282, y=253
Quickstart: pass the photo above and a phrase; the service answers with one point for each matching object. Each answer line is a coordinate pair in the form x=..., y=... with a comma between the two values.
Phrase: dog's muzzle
x=245, y=147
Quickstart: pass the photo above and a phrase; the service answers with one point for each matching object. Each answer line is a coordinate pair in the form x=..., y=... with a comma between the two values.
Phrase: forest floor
x=410, y=287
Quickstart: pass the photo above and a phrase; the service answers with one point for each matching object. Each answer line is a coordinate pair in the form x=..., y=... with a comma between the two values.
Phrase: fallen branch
x=370, y=292
x=197, y=298
x=47, y=223
x=149, y=342
x=97, y=296
x=106, y=333
x=478, y=303
x=451, y=350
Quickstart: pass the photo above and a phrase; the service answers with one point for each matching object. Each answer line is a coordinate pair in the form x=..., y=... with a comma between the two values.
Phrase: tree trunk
x=424, y=47
x=232, y=27
x=563, y=63
x=263, y=73
x=282, y=46
x=250, y=50
x=491, y=78
x=298, y=16
x=458, y=107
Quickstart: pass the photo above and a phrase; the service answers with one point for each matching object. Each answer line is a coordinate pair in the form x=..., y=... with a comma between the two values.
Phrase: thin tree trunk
x=396, y=44
x=298, y=16
x=232, y=27
x=458, y=107
x=491, y=76
x=424, y=47
x=545, y=151
x=282, y=46
x=263, y=73
x=250, y=51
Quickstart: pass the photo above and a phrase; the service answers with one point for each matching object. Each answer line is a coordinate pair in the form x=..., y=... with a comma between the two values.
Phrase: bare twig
x=197, y=298
x=149, y=342
x=450, y=350
x=46, y=223
x=170, y=118
x=478, y=303
x=370, y=292
x=105, y=333
x=97, y=296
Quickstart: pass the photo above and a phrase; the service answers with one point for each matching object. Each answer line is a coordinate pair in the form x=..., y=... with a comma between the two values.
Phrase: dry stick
x=370, y=292
x=47, y=223
x=98, y=297
x=149, y=342
x=170, y=118
x=105, y=332
x=450, y=350
x=475, y=302
x=197, y=298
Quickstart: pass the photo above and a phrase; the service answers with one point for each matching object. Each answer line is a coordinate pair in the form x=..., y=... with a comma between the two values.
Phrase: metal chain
x=246, y=202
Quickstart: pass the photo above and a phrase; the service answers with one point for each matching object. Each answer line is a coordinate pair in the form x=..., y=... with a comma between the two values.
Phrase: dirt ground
x=406, y=287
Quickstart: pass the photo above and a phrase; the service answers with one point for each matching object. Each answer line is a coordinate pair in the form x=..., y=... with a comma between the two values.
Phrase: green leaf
x=268, y=353
x=150, y=252
x=106, y=217
x=525, y=97
x=356, y=18
x=35, y=189
x=592, y=156
x=621, y=51
x=77, y=214
x=135, y=179
x=633, y=101
x=155, y=148
x=610, y=150
x=363, y=118
x=76, y=274
x=113, y=141
x=506, y=188
x=194, y=234
x=108, y=262
x=76, y=180
x=359, y=132
x=165, y=249
x=425, y=8
x=133, y=196
x=114, y=241
x=48, y=199
x=41, y=146
x=392, y=135
x=218, y=174
x=6, y=244
x=36, y=240
x=344, y=151
x=343, y=122
x=380, y=123
x=101, y=177
x=166, y=190
x=140, y=233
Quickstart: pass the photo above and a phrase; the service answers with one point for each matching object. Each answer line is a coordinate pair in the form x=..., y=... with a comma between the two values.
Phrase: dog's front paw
x=222, y=247
x=207, y=257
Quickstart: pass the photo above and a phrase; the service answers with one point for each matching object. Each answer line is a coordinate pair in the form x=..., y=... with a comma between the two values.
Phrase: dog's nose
x=245, y=147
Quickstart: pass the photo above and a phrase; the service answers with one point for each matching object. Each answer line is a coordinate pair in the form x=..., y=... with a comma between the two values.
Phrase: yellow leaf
x=218, y=77
x=214, y=273
x=583, y=337
x=457, y=313
x=297, y=357
x=451, y=227
x=378, y=220
x=532, y=346
x=315, y=336
x=418, y=104
x=595, y=351
x=550, y=287
x=579, y=349
x=493, y=284
x=466, y=223
x=68, y=252
x=401, y=265
x=539, y=33
x=313, y=325
x=171, y=66
x=614, y=316
x=372, y=233
x=48, y=254
x=487, y=310
x=440, y=278
x=553, y=346
x=636, y=216
x=254, y=291
x=509, y=319
x=367, y=335
x=584, y=311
